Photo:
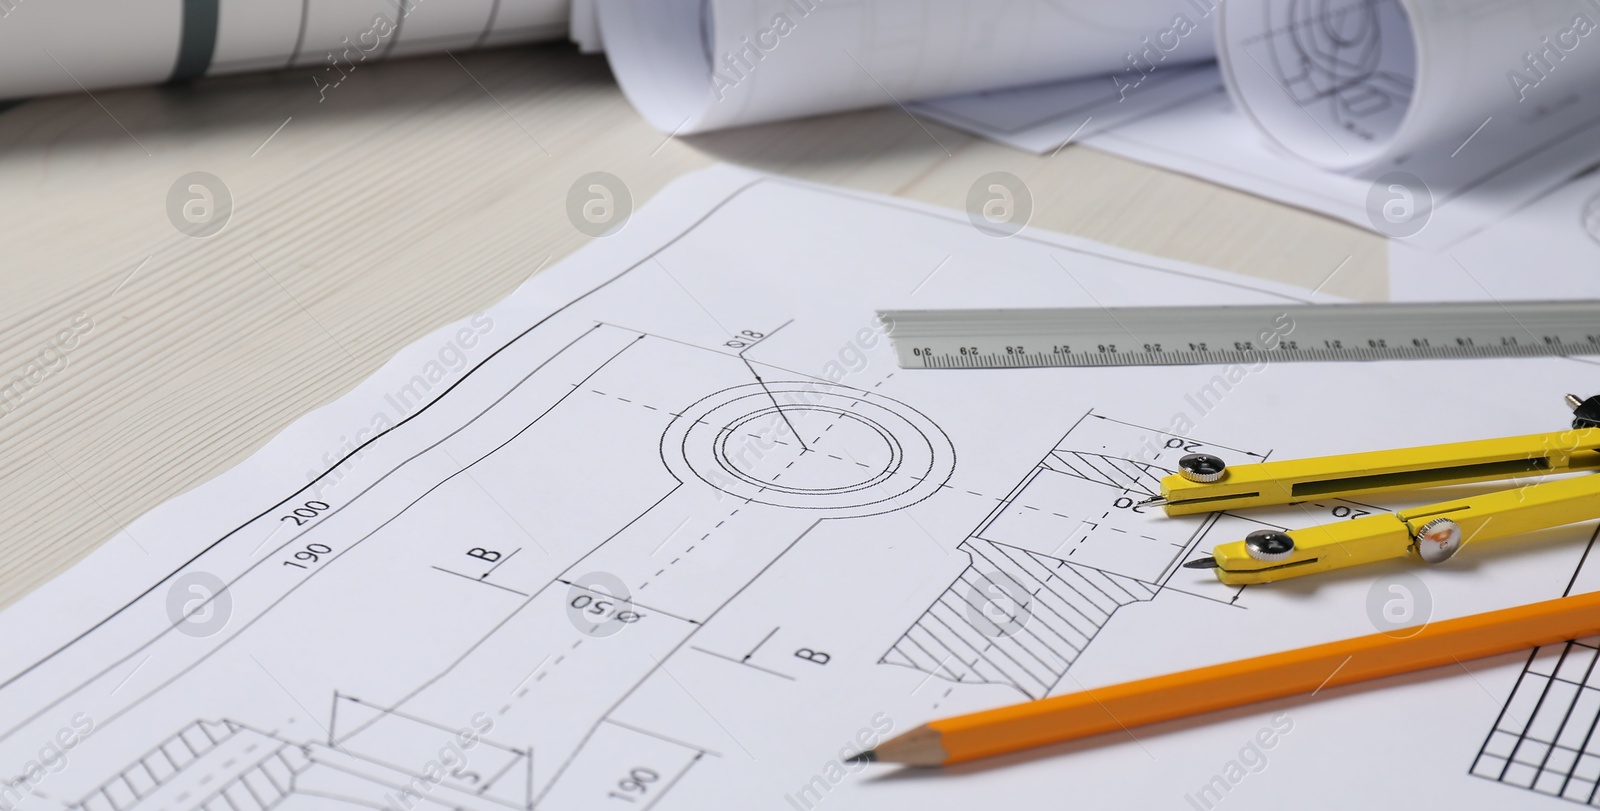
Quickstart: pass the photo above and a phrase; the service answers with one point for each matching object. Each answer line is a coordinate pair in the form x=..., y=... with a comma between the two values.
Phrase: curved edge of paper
x=658, y=53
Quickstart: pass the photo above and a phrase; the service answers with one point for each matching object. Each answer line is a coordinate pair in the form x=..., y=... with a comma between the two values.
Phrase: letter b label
x=813, y=656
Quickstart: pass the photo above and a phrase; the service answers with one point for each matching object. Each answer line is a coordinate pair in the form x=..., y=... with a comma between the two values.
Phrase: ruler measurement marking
x=953, y=360
x=969, y=339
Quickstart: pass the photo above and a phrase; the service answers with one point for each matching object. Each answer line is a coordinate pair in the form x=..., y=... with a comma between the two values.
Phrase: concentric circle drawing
x=1591, y=217
x=1335, y=48
x=810, y=446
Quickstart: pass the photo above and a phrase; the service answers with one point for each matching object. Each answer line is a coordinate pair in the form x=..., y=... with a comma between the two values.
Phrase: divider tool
x=1433, y=533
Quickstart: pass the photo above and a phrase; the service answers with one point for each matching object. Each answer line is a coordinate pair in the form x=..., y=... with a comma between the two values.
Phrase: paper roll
x=55, y=46
x=697, y=65
x=1347, y=84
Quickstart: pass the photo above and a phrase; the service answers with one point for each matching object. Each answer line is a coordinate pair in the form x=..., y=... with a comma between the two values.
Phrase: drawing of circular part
x=1591, y=217
x=810, y=445
x=1333, y=46
x=1329, y=82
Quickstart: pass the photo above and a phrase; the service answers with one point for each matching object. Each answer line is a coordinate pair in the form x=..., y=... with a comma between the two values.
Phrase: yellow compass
x=1433, y=533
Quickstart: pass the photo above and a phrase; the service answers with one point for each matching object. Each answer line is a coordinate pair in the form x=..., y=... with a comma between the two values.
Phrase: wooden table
x=414, y=194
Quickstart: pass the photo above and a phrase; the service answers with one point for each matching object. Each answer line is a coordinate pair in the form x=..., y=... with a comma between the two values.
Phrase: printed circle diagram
x=810, y=446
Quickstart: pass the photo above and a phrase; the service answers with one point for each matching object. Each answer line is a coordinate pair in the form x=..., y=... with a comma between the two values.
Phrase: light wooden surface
x=417, y=193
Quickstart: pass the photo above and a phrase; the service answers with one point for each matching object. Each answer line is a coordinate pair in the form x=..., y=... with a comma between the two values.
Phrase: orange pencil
x=1178, y=695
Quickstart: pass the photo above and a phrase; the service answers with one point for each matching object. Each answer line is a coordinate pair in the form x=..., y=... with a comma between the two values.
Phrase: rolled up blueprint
x=1347, y=84
x=52, y=46
x=696, y=65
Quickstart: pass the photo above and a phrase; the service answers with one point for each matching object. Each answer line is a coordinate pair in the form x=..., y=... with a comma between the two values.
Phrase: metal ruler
x=1162, y=336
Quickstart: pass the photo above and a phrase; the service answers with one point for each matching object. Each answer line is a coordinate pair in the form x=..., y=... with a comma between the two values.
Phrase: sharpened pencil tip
x=1154, y=501
x=1206, y=562
x=869, y=756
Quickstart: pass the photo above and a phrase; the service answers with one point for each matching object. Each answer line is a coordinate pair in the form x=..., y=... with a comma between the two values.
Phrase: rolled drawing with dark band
x=116, y=43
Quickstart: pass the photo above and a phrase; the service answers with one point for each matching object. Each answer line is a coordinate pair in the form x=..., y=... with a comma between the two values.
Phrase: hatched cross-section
x=158, y=766
x=1124, y=474
x=1014, y=617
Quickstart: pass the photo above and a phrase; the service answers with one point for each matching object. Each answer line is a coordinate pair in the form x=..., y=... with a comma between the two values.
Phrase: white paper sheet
x=1549, y=250
x=631, y=421
x=696, y=65
x=1043, y=118
x=1191, y=125
x=52, y=47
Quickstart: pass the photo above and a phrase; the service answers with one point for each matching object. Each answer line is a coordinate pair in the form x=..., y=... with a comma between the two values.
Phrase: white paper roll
x=1347, y=84
x=696, y=65
x=55, y=46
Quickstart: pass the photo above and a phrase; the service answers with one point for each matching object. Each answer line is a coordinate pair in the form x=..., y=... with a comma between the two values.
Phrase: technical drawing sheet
x=667, y=528
x=1183, y=119
x=1548, y=250
x=1439, y=118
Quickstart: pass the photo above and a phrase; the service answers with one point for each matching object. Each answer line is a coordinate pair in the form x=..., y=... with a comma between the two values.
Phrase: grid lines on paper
x=1546, y=738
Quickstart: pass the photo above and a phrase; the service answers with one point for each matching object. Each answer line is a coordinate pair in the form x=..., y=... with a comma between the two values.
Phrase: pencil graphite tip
x=1207, y=562
x=869, y=756
x=1153, y=501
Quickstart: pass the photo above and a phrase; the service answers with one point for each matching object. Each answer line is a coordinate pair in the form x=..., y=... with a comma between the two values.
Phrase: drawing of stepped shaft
x=1014, y=617
x=578, y=645
x=755, y=466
